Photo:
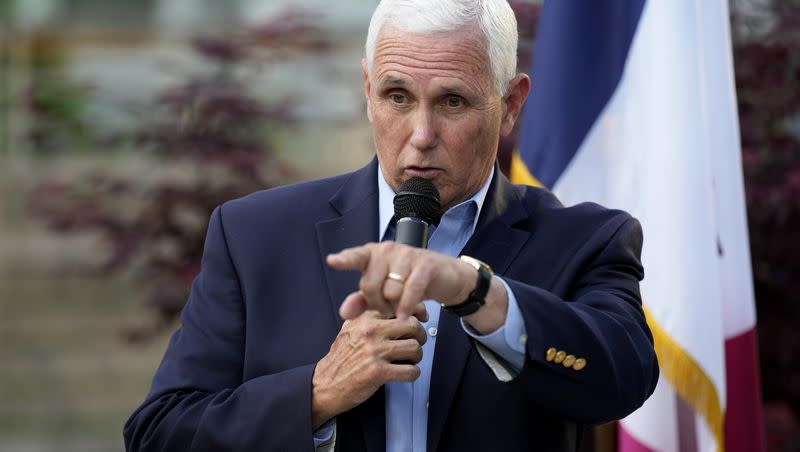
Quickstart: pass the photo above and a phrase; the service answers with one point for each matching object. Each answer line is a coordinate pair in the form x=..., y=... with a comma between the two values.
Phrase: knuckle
x=387, y=246
x=378, y=371
x=367, y=331
x=413, y=373
x=422, y=337
x=366, y=285
x=417, y=284
x=388, y=292
x=417, y=352
x=426, y=266
x=369, y=350
x=373, y=371
x=406, y=253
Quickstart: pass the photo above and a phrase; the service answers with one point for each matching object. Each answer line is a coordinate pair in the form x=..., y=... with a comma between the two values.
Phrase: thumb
x=353, y=306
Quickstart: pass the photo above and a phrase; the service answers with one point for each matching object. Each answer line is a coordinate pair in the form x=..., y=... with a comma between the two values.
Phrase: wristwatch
x=477, y=297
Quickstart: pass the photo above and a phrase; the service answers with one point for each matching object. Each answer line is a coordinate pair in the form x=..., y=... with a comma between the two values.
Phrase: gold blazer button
x=569, y=361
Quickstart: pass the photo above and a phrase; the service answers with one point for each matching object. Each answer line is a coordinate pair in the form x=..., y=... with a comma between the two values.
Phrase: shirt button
x=427, y=405
x=523, y=339
x=433, y=331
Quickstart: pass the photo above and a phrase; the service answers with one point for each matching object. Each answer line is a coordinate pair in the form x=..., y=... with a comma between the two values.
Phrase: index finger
x=355, y=258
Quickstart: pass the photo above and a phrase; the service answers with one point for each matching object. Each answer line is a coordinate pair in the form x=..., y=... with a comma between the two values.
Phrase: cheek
x=389, y=130
x=388, y=136
x=475, y=139
x=489, y=131
x=476, y=152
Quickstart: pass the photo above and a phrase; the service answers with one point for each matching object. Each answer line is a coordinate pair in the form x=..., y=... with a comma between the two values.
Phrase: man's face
x=435, y=112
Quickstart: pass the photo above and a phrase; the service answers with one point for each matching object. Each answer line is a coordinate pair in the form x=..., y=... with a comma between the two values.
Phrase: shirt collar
x=386, y=203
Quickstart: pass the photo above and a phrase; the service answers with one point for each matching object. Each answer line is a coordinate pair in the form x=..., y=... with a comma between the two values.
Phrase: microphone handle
x=412, y=231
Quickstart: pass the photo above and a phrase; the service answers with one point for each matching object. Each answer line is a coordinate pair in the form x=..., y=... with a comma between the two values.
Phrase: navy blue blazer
x=264, y=310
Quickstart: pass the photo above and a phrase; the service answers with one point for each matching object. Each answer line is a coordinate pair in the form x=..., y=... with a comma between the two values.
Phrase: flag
x=634, y=107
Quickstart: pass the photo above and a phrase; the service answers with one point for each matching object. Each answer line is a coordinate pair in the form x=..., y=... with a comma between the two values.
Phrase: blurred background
x=124, y=123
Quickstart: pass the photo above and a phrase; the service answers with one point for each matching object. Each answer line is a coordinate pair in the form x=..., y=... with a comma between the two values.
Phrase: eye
x=397, y=98
x=455, y=102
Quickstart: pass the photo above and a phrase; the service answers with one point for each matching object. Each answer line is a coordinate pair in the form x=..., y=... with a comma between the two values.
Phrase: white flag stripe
x=736, y=280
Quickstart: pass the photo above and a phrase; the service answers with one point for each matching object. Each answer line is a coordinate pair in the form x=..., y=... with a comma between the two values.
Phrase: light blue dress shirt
x=407, y=402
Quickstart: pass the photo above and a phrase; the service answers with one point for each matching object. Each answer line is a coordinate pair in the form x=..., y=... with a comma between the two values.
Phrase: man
x=515, y=361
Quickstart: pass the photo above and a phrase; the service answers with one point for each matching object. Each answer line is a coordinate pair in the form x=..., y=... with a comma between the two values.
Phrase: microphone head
x=418, y=198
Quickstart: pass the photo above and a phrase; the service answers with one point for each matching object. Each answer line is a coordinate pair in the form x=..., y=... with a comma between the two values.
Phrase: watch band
x=477, y=297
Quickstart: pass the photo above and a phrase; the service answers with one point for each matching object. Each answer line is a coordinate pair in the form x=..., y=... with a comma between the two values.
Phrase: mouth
x=427, y=172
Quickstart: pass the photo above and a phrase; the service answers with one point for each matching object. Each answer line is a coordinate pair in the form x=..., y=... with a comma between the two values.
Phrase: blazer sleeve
x=600, y=320
x=198, y=400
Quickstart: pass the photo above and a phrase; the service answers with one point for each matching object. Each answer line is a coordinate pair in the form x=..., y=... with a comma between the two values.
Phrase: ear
x=518, y=89
x=367, y=87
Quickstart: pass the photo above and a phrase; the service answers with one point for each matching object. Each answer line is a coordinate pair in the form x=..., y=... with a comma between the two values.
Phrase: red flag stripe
x=744, y=419
x=628, y=443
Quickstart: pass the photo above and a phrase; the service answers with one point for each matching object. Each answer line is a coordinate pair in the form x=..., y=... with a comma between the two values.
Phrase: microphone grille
x=418, y=197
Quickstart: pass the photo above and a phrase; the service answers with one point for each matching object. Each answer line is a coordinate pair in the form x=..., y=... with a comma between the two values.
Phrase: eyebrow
x=453, y=90
x=392, y=81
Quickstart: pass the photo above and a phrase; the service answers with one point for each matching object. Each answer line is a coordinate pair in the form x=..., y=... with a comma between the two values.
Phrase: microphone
x=416, y=206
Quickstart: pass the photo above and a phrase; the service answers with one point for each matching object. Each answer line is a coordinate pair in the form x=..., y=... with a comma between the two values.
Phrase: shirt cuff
x=509, y=340
x=324, y=434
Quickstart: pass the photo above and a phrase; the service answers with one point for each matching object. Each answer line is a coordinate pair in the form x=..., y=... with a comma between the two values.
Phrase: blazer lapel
x=357, y=205
x=498, y=237
x=497, y=243
x=356, y=202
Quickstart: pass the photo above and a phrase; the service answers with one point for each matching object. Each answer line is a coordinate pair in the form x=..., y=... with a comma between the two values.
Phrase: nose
x=424, y=135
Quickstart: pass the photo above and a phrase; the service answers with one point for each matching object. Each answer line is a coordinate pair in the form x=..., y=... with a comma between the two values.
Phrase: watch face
x=477, y=297
x=477, y=264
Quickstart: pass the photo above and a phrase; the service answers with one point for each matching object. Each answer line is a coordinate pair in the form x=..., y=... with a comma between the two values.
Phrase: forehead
x=459, y=54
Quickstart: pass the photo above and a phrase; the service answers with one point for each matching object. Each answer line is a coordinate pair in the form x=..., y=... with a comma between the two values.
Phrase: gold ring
x=396, y=277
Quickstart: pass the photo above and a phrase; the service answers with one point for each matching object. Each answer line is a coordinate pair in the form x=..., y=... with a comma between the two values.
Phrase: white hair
x=494, y=18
